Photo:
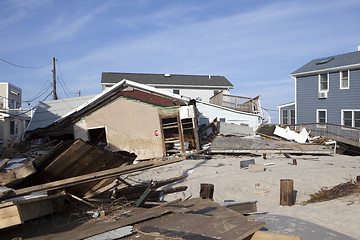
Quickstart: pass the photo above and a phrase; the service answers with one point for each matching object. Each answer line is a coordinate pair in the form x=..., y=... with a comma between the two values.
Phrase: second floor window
x=344, y=80
x=176, y=91
x=323, y=82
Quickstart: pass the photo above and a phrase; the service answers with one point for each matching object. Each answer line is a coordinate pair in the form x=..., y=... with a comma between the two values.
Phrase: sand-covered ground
x=309, y=175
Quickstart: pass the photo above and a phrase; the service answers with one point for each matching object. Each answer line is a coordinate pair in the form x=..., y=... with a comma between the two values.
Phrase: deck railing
x=244, y=104
x=349, y=135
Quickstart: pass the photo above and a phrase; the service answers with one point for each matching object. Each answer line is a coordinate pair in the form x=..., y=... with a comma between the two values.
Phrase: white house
x=199, y=87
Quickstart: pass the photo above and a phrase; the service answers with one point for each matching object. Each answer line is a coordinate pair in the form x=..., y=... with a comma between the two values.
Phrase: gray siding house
x=327, y=90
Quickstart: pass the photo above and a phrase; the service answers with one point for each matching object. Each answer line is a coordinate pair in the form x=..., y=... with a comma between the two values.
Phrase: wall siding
x=307, y=97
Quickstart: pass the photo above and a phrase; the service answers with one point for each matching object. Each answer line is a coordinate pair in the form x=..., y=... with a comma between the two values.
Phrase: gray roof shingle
x=48, y=112
x=341, y=60
x=162, y=79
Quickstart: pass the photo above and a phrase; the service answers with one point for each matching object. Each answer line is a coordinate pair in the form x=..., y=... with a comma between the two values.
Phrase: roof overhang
x=340, y=68
x=286, y=105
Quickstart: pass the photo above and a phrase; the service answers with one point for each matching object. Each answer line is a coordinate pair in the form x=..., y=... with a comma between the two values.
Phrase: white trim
x=353, y=66
x=352, y=116
x=317, y=115
x=341, y=75
x=286, y=105
x=319, y=82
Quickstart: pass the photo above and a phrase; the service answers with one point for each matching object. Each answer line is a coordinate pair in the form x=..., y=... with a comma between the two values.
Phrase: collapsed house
x=128, y=116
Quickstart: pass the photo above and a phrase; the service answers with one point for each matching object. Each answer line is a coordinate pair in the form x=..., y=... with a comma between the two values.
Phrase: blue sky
x=254, y=44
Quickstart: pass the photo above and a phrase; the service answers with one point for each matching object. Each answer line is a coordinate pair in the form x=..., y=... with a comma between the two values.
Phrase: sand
x=309, y=176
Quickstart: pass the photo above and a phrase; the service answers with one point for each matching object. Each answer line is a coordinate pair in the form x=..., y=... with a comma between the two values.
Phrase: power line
x=20, y=66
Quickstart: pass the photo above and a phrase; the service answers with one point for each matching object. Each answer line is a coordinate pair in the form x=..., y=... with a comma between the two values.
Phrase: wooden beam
x=91, y=177
x=262, y=235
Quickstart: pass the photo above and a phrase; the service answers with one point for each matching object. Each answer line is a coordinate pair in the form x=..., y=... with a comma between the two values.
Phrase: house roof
x=167, y=79
x=52, y=112
x=337, y=62
x=48, y=111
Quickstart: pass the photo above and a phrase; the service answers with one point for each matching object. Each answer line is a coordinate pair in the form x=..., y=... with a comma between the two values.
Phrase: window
x=176, y=91
x=321, y=115
x=323, y=82
x=222, y=119
x=13, y=127
x=292, y=116
x=284, y=116
x=344, y=80
x=350, y=118
x=216, y=92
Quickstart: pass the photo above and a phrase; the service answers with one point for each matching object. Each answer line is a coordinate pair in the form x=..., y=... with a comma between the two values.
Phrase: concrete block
x=246, y=163
x=256, y=168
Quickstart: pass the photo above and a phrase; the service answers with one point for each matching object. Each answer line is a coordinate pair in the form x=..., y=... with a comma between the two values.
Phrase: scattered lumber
x=65, y=183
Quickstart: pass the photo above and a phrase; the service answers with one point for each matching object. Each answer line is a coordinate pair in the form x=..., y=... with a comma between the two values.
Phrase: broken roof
x=167, y=79
x=49, y=111
x=52, y=112
x=337, y=62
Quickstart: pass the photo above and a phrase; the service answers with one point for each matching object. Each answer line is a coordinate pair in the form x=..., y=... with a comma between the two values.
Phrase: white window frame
x=352, y=116
x=292, y=110
x=317, y=115
x=348, y=80
x=287, y=116
x=319, y=82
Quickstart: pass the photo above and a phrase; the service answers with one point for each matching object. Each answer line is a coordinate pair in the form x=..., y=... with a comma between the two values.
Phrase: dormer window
x=344, y=80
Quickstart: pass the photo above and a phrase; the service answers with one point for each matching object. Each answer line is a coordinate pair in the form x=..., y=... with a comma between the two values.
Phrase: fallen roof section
x=256, y=145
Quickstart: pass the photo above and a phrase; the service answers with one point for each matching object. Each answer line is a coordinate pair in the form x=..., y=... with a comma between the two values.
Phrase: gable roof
x=48, y=111
x=167, y=79
x=337, y=62
x=51, y=113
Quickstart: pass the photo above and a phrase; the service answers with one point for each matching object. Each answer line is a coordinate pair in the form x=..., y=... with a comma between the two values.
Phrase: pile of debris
x=326, y=194
x=73, y=173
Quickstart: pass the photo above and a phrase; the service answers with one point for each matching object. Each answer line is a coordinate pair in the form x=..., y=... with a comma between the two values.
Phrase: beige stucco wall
x=129, y=126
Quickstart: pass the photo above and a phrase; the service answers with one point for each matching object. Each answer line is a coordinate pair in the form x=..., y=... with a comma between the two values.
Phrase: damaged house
x=128, y=116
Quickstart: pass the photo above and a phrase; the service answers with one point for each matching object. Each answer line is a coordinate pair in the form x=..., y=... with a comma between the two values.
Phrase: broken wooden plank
x=4, y=162
x=97, y=190
x=241, y=207
x=145, y=195
x=262, y=235
x=91, y=177
x=81, y=200
x=14, y=176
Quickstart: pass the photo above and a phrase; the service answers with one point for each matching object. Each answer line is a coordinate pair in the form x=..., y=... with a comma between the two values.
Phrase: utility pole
x=54, y=81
